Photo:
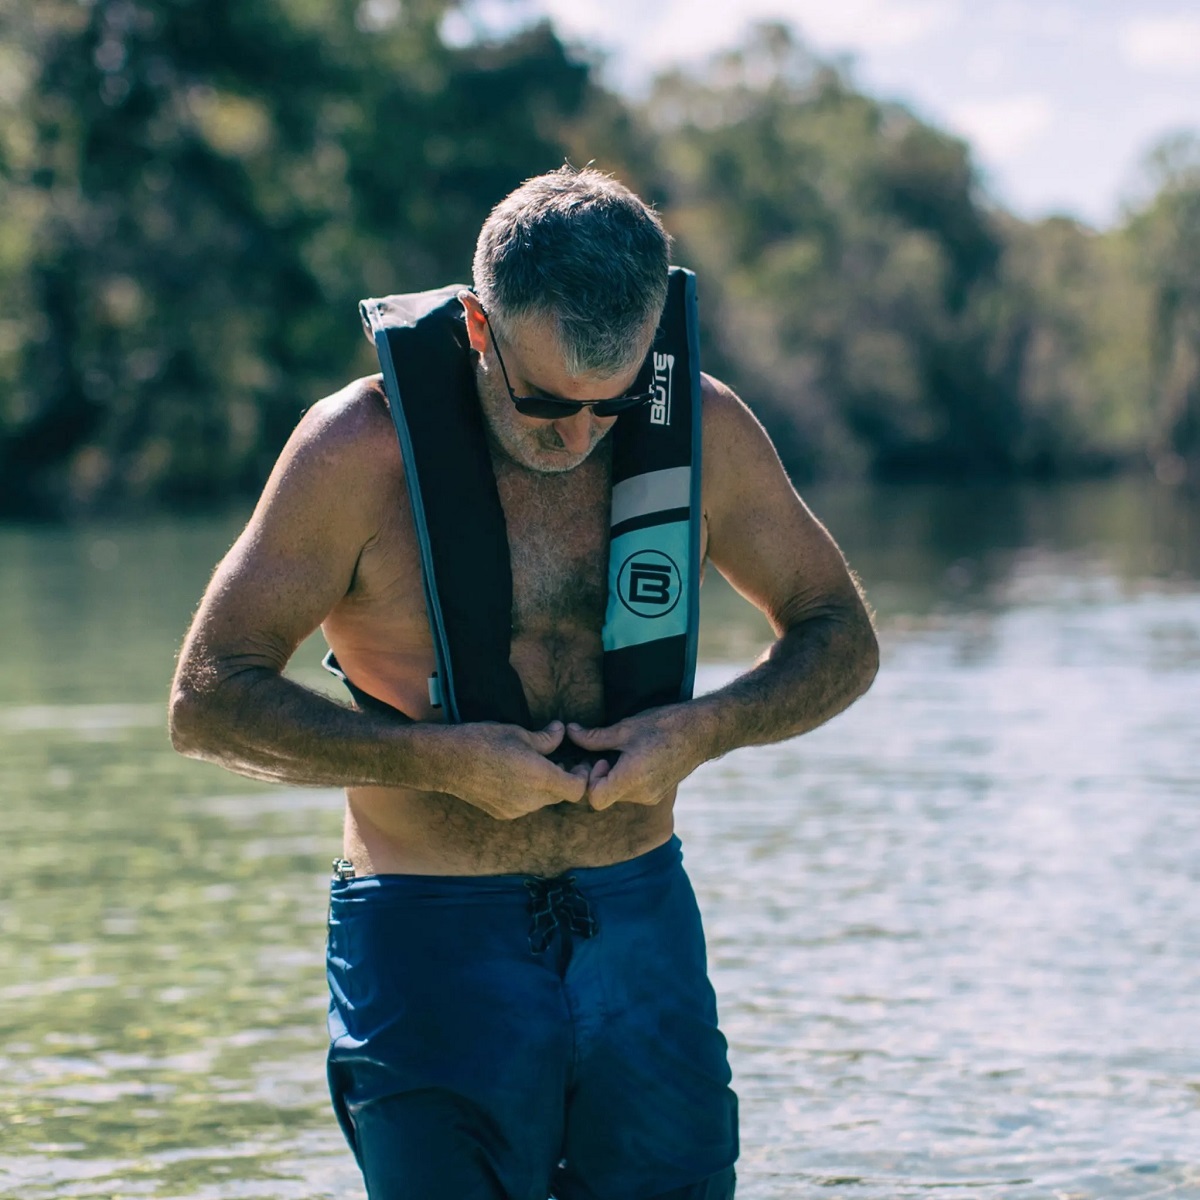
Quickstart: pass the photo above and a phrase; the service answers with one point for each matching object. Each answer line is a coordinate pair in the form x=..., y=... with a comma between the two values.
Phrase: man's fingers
x=596, y=798
x=611, y=787
x=560, y=783
x=601, y=795
x=625, y=782
x=545, y=741
x=600, y=768
x=597, y=739
x=574, y=787
x=549, y=779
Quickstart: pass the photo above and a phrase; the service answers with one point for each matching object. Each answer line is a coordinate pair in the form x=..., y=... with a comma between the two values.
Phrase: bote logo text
x=660, y=406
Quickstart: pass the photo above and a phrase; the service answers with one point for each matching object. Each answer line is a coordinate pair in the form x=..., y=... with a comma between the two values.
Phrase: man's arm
x=764, y=540
x=297, y=557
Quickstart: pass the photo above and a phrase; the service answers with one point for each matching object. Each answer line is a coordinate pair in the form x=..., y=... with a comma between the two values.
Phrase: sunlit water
x=955, y=933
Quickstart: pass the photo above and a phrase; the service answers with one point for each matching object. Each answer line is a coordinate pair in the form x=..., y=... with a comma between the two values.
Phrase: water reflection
x=954, y=933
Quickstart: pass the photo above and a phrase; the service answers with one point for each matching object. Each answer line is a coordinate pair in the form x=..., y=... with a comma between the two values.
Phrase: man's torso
x=558, y=536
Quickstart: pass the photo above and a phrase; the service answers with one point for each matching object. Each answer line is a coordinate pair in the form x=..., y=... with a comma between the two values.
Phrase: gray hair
x=579, y=249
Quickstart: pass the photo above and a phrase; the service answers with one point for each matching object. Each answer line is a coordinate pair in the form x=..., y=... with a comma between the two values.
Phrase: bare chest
x=558, y=547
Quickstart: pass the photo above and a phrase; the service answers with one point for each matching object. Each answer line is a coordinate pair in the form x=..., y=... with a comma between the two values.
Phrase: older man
x=501, y=537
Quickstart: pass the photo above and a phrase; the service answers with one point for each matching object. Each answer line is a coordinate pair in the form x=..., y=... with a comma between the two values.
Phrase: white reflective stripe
x=656, y=491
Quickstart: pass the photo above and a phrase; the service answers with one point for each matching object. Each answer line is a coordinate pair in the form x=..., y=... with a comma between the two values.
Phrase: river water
x=955, y=933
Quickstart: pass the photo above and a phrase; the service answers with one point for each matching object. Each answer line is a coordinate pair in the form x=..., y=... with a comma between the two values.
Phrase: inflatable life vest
x=652, y=618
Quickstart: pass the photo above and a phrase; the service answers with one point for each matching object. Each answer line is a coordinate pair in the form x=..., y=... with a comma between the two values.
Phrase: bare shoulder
x=341, y=464
x=737, y=451
x=720, y=402
x=350, y=430
x=323, y=505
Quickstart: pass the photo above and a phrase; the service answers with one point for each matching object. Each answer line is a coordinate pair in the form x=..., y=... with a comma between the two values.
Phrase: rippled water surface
x=955, y=933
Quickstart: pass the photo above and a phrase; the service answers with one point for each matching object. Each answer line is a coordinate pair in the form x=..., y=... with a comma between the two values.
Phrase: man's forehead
x=535, y=342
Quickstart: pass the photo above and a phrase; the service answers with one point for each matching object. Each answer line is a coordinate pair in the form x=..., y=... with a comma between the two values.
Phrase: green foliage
x=1165, y=236
x=842, y=248
x=878, y=313
x=195, y=193
x=1073, y=320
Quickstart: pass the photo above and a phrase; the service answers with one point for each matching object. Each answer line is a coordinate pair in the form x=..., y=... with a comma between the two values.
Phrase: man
x=519, y=997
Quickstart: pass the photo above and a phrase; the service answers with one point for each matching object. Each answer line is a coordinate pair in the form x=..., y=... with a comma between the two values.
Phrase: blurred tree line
x=195, y=193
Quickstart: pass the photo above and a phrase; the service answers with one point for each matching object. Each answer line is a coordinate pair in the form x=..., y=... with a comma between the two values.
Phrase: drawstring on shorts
x=557, y=905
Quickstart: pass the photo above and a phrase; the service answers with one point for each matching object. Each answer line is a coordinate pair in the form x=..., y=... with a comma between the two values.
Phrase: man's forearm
x=260, y=724
x=819, y=667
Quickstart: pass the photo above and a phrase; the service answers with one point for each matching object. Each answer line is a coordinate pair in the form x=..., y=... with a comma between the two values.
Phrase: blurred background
x=951, y=258
x=196, y=195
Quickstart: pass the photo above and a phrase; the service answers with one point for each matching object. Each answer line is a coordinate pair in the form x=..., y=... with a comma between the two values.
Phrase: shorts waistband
x=596, y=880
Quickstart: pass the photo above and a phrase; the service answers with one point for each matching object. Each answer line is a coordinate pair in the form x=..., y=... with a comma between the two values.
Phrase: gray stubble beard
x=513, y=440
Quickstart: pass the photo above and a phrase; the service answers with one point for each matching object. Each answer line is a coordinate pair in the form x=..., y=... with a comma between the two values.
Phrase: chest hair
x=558, y=544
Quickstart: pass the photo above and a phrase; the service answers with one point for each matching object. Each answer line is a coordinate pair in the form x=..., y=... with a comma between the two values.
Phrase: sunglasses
x=551, y=408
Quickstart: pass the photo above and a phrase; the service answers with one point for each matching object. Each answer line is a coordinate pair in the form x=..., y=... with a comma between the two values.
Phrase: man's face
x=535, y=368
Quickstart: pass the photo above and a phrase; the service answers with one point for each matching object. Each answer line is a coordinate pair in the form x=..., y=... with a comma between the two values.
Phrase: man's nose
x=576, y=431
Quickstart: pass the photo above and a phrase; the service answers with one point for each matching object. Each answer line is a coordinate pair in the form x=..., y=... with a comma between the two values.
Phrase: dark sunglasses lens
x=610, y=408
x=556, y=410
x=545, y=410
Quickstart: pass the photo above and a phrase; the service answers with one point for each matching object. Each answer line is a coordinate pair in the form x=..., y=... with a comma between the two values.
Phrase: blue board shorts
x=512, y=1037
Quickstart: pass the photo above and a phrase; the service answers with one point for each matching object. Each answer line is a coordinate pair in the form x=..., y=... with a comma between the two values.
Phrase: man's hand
x=656, y=749
x=503, y=770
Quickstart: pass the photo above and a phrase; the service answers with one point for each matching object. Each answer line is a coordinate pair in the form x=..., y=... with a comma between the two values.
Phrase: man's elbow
x=861, y=655
x=195, y=721
x=866, y=659
x=185, y=722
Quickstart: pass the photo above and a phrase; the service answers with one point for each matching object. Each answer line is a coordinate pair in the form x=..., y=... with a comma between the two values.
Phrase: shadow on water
x=953, y=932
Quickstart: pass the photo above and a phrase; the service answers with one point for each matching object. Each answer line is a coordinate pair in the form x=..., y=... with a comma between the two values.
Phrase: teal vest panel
x=652, y=618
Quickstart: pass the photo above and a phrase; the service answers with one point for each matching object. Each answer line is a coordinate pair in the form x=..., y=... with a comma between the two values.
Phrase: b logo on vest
x=649, y=584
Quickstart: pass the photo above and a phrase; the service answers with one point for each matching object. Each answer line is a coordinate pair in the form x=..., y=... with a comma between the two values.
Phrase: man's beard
x=537, y=448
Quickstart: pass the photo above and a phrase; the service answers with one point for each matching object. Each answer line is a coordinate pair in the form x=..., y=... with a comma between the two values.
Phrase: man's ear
x=477, y=329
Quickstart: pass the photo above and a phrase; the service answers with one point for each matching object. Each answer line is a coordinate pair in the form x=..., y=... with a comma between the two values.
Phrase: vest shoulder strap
x=652, y=623
x=424, y=353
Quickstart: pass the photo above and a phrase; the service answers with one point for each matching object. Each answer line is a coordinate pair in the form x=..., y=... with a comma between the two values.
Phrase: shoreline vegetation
x=193, y=198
